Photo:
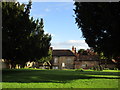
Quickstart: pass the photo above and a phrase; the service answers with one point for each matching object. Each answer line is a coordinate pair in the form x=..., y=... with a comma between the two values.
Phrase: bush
x=81, y=70
x=94, y=68
x=115, y=68
x=106, y=68
x=98, y=68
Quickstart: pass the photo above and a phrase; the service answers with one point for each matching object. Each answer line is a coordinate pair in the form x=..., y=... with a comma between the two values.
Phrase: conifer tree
x=23, y=38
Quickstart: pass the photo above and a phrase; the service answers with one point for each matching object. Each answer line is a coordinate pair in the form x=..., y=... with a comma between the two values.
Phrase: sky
x=59, y=21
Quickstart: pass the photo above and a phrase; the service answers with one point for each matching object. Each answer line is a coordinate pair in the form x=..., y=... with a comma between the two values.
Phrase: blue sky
x=60, y=23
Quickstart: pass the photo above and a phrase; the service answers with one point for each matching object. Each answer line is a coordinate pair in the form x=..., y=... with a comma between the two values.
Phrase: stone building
x=106, y=63
x=63, y=59
x=87, y=59
x=68, y=59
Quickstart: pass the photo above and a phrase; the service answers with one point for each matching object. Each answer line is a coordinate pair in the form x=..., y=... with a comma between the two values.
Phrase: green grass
x=36, y=78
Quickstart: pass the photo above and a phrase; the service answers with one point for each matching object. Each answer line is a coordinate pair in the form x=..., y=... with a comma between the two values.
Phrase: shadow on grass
x=101, y=73
x=52, y=76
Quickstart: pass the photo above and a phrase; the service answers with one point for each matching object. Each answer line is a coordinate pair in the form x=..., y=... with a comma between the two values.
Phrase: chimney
x=75, y=50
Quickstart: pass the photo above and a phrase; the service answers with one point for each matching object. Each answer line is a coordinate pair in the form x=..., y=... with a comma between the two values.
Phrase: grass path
x=31, y=78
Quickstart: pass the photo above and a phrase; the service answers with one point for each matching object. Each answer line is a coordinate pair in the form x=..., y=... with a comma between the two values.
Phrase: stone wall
x=63, y=62
x=85, y=64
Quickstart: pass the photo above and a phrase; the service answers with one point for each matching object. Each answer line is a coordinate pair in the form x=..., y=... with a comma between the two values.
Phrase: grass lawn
x=36, y=78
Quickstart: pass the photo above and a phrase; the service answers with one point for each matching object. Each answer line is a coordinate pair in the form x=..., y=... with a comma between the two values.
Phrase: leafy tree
x=100, y=24
x=19, y=44
x=102, y=56
x=47, y=58
x=81, y=50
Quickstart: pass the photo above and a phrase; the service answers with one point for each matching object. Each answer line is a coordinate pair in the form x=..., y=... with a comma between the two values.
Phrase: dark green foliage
x=81, y=50
x=100, y=25
x=47, y=58
x=98, y=68
x=40, y=41
x=81, y=70
x=102, y=56
x=94, y=68
x=23, y=38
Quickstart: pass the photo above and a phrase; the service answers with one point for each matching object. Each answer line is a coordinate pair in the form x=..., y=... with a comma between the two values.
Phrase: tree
x=47, y=58
x=102, y=56
x=100, y=25
x=81, y=50
x=40, y=42
x=19, y=44
x=14, y=30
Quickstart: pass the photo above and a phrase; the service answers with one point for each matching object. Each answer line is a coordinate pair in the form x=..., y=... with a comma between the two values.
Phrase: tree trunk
x=118, y=65
x=22, y=65
x=13, y=65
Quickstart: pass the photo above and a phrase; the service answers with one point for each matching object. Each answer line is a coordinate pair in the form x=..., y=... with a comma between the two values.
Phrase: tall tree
x=19, y=44
x=100, y=25
x=46, y=58
x=39, y=42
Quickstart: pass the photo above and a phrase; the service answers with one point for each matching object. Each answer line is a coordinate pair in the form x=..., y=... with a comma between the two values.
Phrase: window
x=69, y=60
x=63, y=64
x=55, y=67
x=83, y=65
x=90, y=58
x=55, y=60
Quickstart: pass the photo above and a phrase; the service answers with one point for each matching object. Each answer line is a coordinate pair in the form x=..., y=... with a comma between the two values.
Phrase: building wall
x=86, y=61
x=106, y=63
x=85, y=64
x=5, y=64
x=63, y=62
x=88, y=57
x=110, y=66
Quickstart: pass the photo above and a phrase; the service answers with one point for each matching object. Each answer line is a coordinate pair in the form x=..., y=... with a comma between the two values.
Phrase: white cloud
x=79, y=44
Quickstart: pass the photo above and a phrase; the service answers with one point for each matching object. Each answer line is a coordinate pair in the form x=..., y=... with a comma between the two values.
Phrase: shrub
x=100, y=68
x=106, y=68
x=94, y=68
x=81, y=70
x=115, y=68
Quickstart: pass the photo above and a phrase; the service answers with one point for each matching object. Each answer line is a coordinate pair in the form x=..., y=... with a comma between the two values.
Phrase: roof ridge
x=62, y=52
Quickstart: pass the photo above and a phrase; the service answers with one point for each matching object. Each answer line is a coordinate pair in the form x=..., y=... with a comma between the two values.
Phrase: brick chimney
x=73, y=49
